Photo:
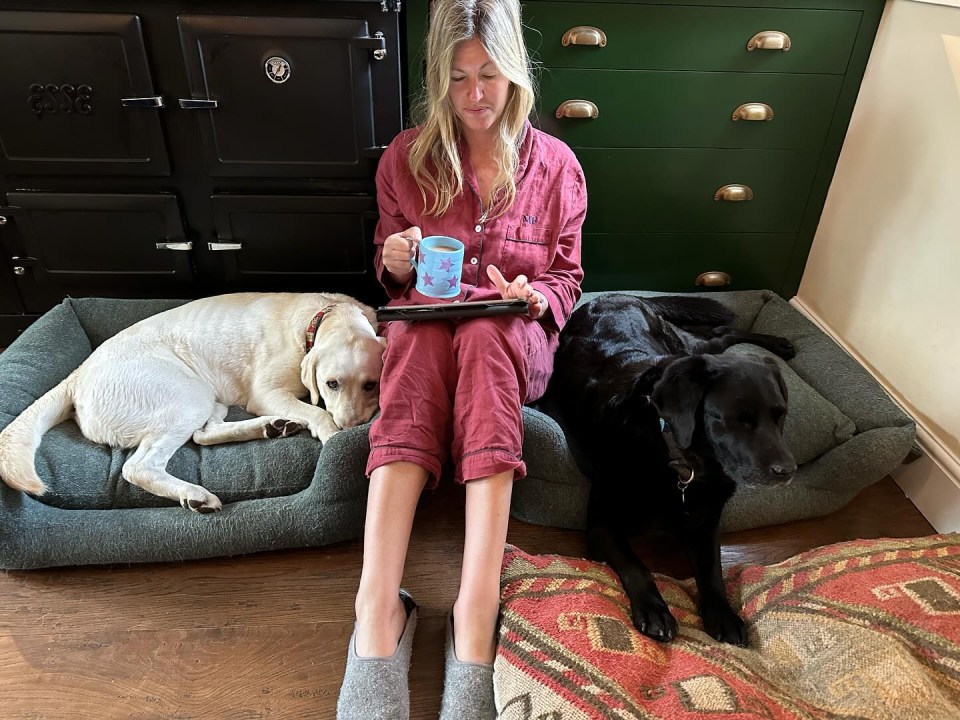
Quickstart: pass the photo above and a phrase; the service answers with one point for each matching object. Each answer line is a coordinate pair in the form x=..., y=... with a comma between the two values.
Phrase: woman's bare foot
x=379, y=629
x=474, y=633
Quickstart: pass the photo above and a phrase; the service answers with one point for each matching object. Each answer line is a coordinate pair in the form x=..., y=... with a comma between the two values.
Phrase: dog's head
x=732, y=407
x=343, y=367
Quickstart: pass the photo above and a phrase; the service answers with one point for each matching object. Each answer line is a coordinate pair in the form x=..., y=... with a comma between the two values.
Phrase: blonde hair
x=433, y=159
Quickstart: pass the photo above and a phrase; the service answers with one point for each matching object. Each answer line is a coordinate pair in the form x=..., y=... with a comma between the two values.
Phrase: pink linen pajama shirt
x=458, y=386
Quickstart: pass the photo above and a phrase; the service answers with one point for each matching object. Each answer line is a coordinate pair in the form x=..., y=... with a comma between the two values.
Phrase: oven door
x=77, y=96
x=292, y=97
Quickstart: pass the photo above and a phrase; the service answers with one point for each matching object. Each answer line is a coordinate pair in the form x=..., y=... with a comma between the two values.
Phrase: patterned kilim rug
x=865, y=630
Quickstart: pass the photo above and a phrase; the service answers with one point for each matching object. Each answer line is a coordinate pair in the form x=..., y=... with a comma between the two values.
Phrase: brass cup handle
x=769, y=40
x=753, y=111
x=713, y=278
x=584, y=35
x=577, y=109
x=733, y=193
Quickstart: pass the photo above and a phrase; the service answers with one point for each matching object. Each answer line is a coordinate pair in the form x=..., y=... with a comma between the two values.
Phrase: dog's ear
x=308, y=374
x=678, y=393
x=778, y=375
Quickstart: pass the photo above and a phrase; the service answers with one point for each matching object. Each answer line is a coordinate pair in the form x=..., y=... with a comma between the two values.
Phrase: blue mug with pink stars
x=439, y=264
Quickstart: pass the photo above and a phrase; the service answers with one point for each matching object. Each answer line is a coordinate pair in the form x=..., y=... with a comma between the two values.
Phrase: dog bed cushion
x=291, y=492
x=883, y=433
x=92, y=477
x=278, y=494
x=862, y=629
x=813, y=424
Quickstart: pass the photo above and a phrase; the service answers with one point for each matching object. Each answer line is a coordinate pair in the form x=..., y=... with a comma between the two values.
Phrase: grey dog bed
x=289, y=492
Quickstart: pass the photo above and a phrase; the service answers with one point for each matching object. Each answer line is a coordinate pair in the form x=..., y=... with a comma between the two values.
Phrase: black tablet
x=450, y=310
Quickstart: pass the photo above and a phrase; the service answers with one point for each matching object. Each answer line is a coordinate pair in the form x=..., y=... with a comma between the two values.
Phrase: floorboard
x=265, y=636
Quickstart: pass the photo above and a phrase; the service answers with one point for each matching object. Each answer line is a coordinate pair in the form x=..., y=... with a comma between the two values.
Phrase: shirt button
x=479, y=228
x=473, y=261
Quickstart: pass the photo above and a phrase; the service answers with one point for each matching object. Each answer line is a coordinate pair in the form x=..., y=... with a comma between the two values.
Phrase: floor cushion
x=863, y=629
x=294, y=492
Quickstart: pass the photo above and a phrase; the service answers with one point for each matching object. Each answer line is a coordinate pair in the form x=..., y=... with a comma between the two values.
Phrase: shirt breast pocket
x=527, y=251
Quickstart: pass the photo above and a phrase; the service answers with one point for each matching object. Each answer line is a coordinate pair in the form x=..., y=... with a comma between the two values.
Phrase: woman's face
x=478, y=90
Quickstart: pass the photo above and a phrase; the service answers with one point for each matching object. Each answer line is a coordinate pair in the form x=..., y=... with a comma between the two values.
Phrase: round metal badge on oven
x=277, y=69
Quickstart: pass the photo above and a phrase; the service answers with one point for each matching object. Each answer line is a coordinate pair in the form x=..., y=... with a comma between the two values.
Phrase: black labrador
x=668, y=428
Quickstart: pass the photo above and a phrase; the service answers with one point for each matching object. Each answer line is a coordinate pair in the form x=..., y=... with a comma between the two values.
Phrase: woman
x=475, y=170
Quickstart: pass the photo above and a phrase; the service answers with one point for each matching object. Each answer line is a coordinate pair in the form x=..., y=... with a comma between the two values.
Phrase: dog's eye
x=333, y=384
x=748, y=418
x=369, y=386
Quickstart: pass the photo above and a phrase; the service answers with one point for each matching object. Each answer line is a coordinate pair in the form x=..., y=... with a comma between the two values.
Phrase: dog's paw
x=721, y=623
x=782, y=347
x=282, y=428
x=654, y=620
x=323, y=433
x=200, y=501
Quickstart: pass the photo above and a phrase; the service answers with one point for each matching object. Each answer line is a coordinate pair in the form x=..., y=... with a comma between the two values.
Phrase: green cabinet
x=708, y=132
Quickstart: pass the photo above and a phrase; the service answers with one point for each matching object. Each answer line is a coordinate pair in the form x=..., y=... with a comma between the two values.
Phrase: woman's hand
x=399, y=250
x=519, y=289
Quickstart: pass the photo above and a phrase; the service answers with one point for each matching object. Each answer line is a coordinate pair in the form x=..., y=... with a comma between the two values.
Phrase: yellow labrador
x=170, y=378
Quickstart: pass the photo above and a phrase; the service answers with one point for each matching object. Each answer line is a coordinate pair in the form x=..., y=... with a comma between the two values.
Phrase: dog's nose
x=783, y=471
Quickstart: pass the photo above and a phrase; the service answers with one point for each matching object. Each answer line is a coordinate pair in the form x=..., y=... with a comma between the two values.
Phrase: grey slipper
x=376, y=688
x=467, y=686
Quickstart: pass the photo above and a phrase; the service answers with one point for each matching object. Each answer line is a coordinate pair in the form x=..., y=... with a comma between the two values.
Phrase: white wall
x=883, y=275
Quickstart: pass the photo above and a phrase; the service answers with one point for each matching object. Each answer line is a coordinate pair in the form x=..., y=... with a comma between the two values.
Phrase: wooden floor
x=265, y=636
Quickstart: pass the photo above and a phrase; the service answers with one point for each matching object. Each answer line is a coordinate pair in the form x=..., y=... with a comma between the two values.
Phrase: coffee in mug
x=439, y=264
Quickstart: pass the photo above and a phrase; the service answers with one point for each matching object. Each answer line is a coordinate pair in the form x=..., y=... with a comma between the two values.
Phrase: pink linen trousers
x=458, y=386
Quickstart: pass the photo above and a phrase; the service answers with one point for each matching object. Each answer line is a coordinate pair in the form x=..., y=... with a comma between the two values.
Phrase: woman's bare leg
x=391, y=504
x=478, y=602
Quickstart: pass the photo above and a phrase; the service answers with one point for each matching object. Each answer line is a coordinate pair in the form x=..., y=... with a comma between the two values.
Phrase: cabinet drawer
x=9, y=299
x=673, y=261
x=638, y=108
x=101, y=244
x=287, y=242
x=672, y=190
x=690, y=37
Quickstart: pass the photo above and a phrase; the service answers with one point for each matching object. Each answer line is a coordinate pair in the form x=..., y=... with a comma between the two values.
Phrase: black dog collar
x=677, y=461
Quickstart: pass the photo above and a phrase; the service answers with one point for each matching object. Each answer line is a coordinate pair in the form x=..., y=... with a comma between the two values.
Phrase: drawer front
x=99, y=244
x=665, y=37
x=9, y=299
x=638, y=108
x=296, y=242
x=672, y=190
x=674, y=261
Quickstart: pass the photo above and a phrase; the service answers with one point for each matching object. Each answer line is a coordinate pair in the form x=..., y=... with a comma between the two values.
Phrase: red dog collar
x=314, y=324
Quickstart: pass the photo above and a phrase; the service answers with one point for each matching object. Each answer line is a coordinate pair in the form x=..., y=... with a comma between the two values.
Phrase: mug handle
x=415, y=260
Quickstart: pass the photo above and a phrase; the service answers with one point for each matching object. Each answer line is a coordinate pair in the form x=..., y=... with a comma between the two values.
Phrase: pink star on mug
x=453, y=281
x=446, y=264
x=427, y=279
